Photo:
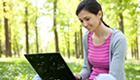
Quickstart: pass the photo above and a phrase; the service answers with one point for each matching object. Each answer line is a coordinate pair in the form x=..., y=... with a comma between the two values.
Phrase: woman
x=104, y=47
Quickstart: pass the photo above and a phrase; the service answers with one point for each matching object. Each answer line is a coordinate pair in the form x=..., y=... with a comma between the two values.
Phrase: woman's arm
x=118, y=51
x=37, y=77
x=85, y=72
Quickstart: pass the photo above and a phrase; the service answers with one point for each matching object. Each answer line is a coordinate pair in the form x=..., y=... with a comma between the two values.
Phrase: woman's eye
x=87, y=19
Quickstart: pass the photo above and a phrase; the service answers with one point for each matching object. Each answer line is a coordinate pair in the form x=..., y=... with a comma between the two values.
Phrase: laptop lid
x=50, y=66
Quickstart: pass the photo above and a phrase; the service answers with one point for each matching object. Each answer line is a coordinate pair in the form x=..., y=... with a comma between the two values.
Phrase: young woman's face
x=89, y=20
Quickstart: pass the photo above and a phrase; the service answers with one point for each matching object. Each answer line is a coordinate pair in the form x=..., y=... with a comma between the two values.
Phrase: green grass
x=20, y=69
x=15, y=69
x=132, y=69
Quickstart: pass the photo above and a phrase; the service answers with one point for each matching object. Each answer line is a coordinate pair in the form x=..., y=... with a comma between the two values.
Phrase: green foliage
x=16, y=18
x=130, y=9
x=67, y=22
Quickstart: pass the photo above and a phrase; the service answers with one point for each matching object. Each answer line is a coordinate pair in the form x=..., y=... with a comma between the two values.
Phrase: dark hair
x=92, y=6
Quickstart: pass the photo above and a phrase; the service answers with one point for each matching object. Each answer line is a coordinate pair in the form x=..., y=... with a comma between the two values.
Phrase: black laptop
x=50, y=66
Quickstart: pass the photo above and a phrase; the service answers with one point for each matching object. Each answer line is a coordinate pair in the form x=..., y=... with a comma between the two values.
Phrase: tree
x=26, y=30
x=36, y=29
x=52, y=12
x=1, y=10
x=125, y=12
x=133, y=28
x=77, y=45
x=54, y=25
x=81, y=40
x=7, y=37
x=0, y=39
x=67, y=23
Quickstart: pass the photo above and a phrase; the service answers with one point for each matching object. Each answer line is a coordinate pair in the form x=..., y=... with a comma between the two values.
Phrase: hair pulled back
x=92, y=6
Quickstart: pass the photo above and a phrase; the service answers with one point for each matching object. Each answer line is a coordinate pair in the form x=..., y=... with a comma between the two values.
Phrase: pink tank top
x=98, y=57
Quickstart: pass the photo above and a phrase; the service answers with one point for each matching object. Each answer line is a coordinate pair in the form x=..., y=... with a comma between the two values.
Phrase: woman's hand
x=77, y=76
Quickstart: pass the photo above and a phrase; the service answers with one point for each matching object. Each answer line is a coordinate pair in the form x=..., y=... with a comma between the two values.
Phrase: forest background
x=40, y=26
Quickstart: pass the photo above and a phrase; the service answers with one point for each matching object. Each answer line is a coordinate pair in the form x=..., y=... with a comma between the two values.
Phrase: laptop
x=50, y=66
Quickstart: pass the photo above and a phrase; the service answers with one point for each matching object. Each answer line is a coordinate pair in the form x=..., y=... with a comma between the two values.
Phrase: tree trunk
x=121, y=23
x=54, y=25
x=9, y=34
x=0, y=46
x=135, y=50
x=17, y=47
x=81, y=41
x=36, y=31
x=137, y=47
x=132, y=52
x=64, y=51
x=7, y=43
x=26, y=30
x=64, y=45
x=14, y=50
x=68, y=45
x=68, y=48
x=76, y=45
x=6, y=37
x=73, y=52
x=0, y=41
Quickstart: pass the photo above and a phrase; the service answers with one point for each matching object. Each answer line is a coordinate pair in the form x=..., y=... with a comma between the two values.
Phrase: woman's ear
x=99, y=14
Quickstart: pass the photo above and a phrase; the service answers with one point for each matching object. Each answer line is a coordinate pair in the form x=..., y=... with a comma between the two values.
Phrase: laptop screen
x=50, y=66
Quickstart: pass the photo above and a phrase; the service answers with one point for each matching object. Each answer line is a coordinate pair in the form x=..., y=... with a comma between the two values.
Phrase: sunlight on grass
x=15, y=69
x=20, y=69
x=132, y=69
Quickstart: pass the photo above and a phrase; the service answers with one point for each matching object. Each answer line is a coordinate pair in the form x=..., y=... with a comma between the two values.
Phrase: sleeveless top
x=98, y=56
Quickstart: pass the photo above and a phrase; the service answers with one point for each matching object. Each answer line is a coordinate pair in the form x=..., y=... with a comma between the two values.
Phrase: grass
x=20, y=69
x=132, y=69
x=16, y=69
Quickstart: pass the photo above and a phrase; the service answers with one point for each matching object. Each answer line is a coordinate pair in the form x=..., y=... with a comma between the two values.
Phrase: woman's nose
x=85, y=24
